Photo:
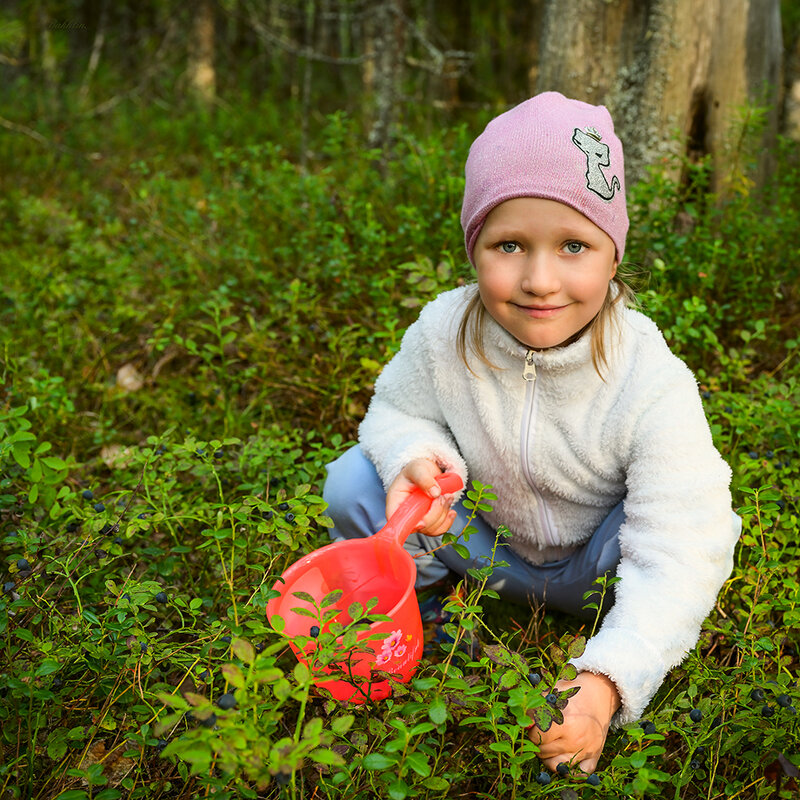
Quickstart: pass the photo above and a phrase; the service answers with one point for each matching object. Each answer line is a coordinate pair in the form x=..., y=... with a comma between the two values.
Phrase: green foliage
x=146, y=512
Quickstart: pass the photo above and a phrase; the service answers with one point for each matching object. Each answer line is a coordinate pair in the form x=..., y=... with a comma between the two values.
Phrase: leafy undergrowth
x=188, y=338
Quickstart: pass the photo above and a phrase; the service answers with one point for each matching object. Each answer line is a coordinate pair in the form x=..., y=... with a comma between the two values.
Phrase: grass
x=191, y=325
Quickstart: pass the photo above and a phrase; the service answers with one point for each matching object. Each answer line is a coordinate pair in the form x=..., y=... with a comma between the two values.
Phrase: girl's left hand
x=580, y=738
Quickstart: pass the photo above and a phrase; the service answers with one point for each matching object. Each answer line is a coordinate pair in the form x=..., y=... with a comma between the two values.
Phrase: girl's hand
x=580, y=738
x=422, y=473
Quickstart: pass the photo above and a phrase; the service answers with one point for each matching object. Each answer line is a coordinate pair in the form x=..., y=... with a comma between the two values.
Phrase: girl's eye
x=574, y=248
x=508, y=247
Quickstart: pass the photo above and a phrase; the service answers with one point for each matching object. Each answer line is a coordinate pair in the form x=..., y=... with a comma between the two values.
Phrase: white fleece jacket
x=561, y=448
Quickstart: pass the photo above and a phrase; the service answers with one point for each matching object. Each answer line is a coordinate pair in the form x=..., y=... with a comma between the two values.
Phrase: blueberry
x=784, y=701
x=227, y=701
x=106, y=529
x=695, y=715
x=267, y=515
x=753, y=454
x=100, y=553
x=57, y=683
x=757, y=695
x=161, y=597
x=8, y=586
x=501, y=720
x=73, y=526
x=767, y=711
x=706, y=395
x=283, y=506
x=314, y=631
x=226, y=639
x=563, y=769
x=142, y=516
x=543, y=778
x=161, y=450
x=210, y=721
x=593, y=780
x=647, y=726
x=218, y=454
x=161, y=744
x=259, y=647
x=203, y=675
x=699, y=751
x=117, y=540
x=728, y=410
x=695, y=764
x=289, y=517
x=88, y=494
x=99, y=507
x=552, y=698
x=143, y=647
x=769, y=455
x=127, y=597
x=535, y=678
x=22, y=564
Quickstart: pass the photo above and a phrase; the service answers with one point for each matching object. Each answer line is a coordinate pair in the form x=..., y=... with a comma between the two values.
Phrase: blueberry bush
x=190, y=326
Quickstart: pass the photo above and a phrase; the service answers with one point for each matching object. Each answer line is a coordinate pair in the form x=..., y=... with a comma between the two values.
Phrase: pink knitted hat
x=550, y=147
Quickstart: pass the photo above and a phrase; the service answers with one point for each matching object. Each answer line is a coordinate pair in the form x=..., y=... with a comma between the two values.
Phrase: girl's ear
x=613, y=270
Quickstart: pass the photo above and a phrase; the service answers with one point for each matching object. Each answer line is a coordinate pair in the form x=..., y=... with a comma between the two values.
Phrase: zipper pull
x=529, y=371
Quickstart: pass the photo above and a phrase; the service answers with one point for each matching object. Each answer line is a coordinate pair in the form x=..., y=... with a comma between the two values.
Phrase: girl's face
x=543, y=269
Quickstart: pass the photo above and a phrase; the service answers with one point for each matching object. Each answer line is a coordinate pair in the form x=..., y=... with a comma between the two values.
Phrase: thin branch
x=18, y=127
x=302, y=51
x=94, y=58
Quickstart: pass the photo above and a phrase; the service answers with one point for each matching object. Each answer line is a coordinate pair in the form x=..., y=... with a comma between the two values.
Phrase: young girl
x=541, y=382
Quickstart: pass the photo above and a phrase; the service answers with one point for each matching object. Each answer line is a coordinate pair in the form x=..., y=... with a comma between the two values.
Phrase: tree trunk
x=388, y=36
x=201, y=73
x=667, y=67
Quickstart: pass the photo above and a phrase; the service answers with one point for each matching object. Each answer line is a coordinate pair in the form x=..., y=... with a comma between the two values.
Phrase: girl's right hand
x=421, y=472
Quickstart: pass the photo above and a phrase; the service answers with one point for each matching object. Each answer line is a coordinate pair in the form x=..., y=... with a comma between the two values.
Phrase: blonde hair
x=469, y=338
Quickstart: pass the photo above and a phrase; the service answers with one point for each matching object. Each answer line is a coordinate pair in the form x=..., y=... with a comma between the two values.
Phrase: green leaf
x=418, y=763
x=324, y=756
x=233, y=675
x=73, y=794
x=331, y=598
x=47, y=667
x=398, y=790
x=461, y=550
x=543, y=718
x=638, y=760
x=509, y=679
x=244, y=650
x=301, y=673
x=340, y=725
x=437, y=712
x=576, y=647
x=304, y=596
x=378, y=761
x=108, y=794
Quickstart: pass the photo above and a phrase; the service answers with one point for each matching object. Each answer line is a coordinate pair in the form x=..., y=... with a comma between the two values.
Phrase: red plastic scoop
x=363, y=569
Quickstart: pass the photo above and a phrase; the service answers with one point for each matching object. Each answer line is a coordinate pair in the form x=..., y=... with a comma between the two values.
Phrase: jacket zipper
x=528, y=413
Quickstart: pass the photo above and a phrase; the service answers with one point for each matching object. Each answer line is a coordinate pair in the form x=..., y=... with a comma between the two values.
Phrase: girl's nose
x=540, y=276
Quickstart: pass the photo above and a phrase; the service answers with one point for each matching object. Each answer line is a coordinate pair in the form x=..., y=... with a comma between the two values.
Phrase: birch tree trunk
x=388, y=37
x=667, y=67
x=201, y=72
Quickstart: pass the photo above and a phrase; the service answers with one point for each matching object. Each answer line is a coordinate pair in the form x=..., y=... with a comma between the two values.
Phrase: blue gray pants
x=357, y=504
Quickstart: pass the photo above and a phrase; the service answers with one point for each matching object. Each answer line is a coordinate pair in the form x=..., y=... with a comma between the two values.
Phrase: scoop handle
x=403, y=522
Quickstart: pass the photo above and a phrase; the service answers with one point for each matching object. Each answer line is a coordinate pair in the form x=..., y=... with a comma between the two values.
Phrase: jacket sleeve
x=405, y=419
x=676, y=545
